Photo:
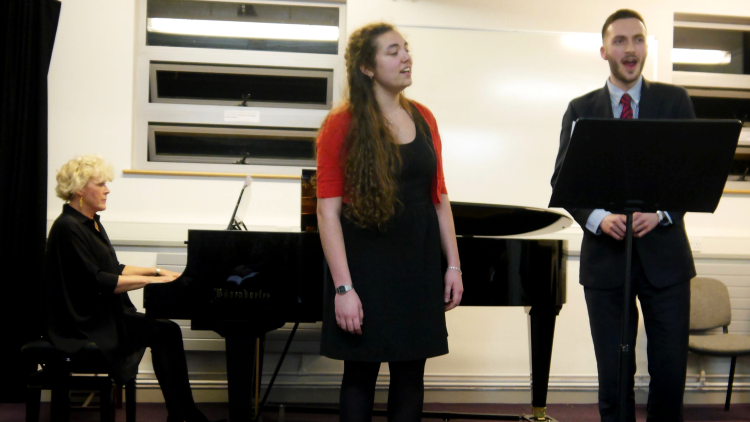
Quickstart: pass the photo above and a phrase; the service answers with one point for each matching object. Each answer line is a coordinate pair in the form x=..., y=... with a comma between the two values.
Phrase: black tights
x=405, y=394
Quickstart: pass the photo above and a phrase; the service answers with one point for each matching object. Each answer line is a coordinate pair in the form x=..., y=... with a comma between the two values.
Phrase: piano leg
x=259, y=373
x=542, y=332
x=240, y=370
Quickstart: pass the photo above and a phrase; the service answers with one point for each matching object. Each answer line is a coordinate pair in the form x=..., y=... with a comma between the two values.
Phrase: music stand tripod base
x=539, y=415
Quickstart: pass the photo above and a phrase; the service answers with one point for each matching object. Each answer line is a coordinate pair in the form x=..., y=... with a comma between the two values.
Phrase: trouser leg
x=164, y=337
x=605, y=318
x=666, y=317
x=358, y=391
x=406, y=391
x=170, y=367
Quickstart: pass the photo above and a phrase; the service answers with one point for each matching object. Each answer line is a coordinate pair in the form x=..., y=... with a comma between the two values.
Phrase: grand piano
x=244, y=284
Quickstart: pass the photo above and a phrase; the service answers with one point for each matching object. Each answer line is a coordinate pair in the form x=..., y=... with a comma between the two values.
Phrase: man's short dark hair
x=621, y=14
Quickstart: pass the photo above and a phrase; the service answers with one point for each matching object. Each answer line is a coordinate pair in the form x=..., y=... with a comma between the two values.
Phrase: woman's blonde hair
x=74, y=174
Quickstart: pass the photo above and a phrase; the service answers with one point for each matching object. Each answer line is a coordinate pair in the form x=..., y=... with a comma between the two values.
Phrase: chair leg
x=130, y=400
x=33, y=398
x=60, y=406
x=106, y=407
x=731, y=381
x=118, y=397
x=60, y=391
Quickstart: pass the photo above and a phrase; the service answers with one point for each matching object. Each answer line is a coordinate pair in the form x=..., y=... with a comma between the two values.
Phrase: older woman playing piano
x=86, y=291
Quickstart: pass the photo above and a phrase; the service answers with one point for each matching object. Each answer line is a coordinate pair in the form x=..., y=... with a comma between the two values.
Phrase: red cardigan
x=331, y=161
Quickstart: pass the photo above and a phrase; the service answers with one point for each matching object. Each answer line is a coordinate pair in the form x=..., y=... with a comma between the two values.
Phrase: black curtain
x=26, y=39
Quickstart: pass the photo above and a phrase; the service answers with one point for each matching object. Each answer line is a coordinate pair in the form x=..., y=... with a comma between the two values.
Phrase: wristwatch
x=343, y=288
x=661, y=216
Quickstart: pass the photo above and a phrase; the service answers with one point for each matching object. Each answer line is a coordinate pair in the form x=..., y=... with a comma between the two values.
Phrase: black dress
x=396, y=272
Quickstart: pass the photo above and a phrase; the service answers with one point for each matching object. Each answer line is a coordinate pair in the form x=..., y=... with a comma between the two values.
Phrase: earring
x=370, y=76
x=80, y=202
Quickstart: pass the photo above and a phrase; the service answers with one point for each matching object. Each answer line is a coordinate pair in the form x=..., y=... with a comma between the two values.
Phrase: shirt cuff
x=595, y=220
x=668, y=220
x=107, y=282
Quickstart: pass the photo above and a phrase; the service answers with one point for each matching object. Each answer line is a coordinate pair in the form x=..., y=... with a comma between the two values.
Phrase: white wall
x=92, y=107
x=92, y=76
x=91, y=95
x=576, y=16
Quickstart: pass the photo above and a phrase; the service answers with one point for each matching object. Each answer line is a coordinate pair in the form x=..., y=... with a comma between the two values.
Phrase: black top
x=81, y=273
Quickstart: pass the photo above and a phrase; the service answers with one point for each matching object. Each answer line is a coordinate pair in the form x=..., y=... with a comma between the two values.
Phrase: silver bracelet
x=457, y=269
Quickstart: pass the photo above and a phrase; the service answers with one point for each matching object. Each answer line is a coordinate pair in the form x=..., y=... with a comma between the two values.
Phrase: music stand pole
x=625, y=347
x=232, y=222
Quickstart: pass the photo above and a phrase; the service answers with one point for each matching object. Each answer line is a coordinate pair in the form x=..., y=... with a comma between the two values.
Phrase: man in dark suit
x=662, y=263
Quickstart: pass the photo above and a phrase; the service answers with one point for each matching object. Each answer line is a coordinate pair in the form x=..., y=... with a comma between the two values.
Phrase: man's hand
x=644, y=223
x=614, y=226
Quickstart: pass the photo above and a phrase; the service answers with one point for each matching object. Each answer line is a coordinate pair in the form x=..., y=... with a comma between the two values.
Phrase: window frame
x=155, y=127
x=154, y=67
x=706, y=79
x=271, y=118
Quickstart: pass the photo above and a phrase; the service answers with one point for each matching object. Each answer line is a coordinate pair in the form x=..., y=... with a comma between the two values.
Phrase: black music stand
x=640, y=165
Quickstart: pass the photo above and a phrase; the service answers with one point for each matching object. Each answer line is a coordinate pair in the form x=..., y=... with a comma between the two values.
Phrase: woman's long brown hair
x=372, y=156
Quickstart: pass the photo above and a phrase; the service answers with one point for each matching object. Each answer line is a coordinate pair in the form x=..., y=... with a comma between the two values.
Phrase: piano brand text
x=243, y=294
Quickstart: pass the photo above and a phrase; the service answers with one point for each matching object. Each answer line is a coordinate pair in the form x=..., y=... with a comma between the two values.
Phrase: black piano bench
x=59, y=373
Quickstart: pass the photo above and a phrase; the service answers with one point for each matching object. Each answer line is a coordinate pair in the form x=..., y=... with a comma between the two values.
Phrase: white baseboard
x=571, y=390
x=324, y=388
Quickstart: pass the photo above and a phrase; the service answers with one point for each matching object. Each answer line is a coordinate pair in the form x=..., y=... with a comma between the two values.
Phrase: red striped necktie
x=627, y=110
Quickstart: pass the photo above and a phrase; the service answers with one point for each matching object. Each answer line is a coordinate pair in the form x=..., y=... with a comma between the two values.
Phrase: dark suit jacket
x=664, y=252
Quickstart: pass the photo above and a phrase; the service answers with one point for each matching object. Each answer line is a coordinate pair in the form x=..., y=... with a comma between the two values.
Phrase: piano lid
x=472, y=219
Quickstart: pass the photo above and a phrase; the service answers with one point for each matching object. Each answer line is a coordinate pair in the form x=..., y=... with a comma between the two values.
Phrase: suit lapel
x=603, y=104
x=649, y=104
